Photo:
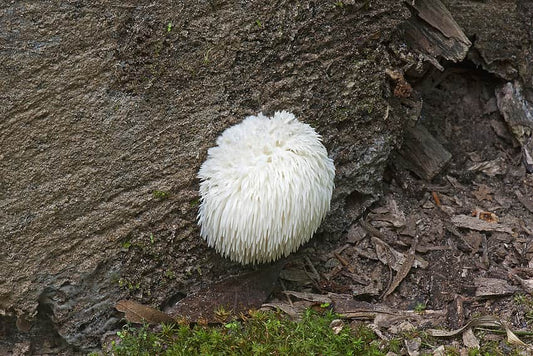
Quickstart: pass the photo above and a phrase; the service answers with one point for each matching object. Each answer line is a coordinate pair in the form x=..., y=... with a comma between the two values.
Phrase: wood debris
x=422, y=154
x=493, y=287
x=434, y=33
x=474, y=223
x=518, y=114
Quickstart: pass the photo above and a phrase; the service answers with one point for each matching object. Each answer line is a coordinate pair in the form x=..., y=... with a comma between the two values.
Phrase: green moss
x=159, y=194
x=272, y=333
x=264, y=333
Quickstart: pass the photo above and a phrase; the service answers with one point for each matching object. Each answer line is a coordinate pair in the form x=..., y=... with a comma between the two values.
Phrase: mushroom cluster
x=264, y=188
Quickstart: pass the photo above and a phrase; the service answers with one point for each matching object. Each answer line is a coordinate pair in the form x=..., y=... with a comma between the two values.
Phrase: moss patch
x=264, y=333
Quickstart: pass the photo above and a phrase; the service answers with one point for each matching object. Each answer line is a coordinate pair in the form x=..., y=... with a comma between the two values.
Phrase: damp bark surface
x=107, y=112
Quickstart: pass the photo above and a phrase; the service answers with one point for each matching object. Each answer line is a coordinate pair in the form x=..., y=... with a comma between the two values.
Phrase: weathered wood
x=422, y=154
x=433, y=31
x=517, y=112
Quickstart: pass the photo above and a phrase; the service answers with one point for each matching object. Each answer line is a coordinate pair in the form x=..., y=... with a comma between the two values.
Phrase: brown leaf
x=392, y=258
x=490, y=168
x=483, y=192
x=236, y=294
x=404, y=269
x=473, y=239
x=138, y=313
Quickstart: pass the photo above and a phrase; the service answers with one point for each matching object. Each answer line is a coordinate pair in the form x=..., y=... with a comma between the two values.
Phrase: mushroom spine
x=264, y=188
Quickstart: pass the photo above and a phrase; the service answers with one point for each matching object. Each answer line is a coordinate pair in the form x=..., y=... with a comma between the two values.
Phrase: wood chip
x=493, y=287
x=470, y=340
x=312, y=297
x=528, y=203
x=483, y=192
x=473, y=223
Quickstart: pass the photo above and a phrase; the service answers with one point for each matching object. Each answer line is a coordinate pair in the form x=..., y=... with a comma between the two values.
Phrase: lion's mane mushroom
x=265, y=188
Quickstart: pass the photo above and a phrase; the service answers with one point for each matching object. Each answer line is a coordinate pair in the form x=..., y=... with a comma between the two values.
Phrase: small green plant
x=159, y=194
x=339, y=4
x=169, y=27
x=170, y=274
x=258, y=23
x=420, y=307
x=126, y=245
x=527, y=303
x=129, y=285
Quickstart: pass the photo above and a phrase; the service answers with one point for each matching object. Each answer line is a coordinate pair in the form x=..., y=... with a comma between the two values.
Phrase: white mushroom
x=265, y=188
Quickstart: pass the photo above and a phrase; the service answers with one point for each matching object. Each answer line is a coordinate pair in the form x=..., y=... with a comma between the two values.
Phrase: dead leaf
x=236, y=294
x=392, y=258
x=388, y=215
x=439, y=351
x=404, y=269
x=336, y=325
x=483, y=192
x=490, y=168
x=139, y=314
x=355, y=234
x=470, y=340
x=413, y=345
x=473, y=223
x=473, y=239
x=483, y=321
x=296, y=275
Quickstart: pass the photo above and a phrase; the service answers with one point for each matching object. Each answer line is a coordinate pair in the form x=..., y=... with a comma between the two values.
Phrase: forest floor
x=456, y=249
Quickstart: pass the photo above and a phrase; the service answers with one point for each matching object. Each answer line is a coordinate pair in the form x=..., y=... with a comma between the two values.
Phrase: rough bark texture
x=103, y=104
x=107, y=111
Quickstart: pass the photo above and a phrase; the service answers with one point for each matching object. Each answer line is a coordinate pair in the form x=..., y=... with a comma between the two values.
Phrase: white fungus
x=265, y=188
